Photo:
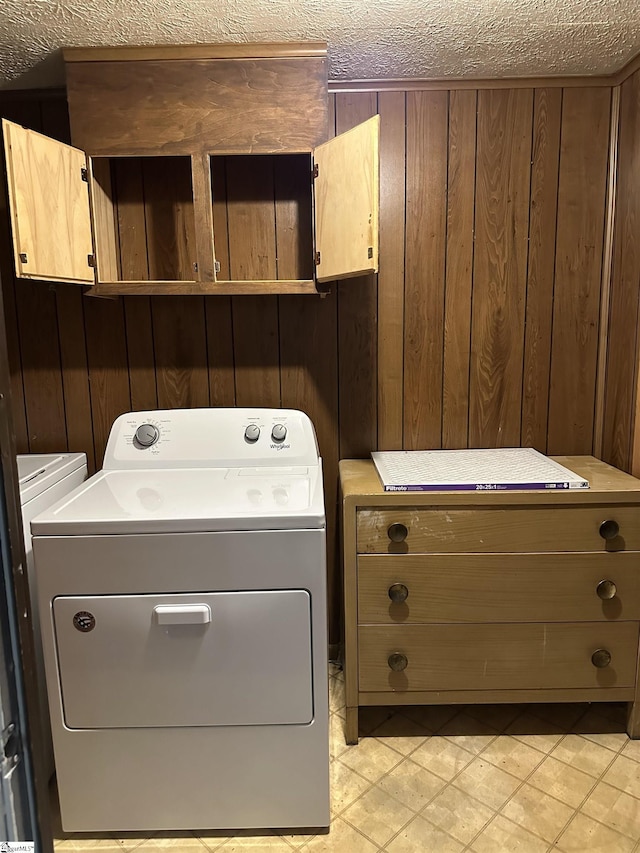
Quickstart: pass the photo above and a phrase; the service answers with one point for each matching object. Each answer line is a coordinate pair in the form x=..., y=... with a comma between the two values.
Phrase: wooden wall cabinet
x=199, y=170
x=455, y=597
x=59, y=197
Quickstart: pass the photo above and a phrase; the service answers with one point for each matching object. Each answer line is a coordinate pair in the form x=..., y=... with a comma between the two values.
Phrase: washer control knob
x=252, y=433
x=147, y=435
x=279, y=432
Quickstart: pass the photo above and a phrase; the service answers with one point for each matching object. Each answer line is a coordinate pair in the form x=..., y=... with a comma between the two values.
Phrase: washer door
x=224, y=658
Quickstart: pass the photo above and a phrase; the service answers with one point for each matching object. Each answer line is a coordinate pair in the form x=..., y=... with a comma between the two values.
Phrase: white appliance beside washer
x=183, y=600
x=43, y=479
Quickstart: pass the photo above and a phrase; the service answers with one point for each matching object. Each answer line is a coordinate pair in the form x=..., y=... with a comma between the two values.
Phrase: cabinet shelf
x=202, y=288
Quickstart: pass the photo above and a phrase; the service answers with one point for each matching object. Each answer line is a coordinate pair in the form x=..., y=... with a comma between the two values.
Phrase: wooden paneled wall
x=482, y=328
x=621, y=439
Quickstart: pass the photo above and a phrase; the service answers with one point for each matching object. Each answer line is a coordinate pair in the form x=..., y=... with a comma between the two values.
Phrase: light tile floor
x=446, y=779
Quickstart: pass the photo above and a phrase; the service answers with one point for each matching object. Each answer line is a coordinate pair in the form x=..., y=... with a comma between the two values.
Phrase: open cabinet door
x=346, y=201
x=49, y=207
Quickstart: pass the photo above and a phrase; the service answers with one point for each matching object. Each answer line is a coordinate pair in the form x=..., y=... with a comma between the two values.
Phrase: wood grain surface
x=27, y=112
x=461, y=185
x=426, y=215
x=41, y=368
x=500, y=266
x=620, y=440
x=486, y=657
x=342, y=358
x=196, y=106
x=251, y=50
x=346, y=202
x=49, y=207
x=108, y=369
x=392, y=110
x=540, y=273
x=579, y=246
x=357, y=326
x=503, y=587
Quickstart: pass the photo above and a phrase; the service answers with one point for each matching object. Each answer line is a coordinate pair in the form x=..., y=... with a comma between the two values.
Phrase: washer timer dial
x=252, y=433
x=279, y=432
x=146, y=435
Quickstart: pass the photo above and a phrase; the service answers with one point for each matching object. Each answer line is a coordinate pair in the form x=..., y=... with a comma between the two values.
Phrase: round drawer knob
x=609, y=529
x=397, y=532
x=606, y=590
x=398, y=593
x=601, y=658
x=397, y=662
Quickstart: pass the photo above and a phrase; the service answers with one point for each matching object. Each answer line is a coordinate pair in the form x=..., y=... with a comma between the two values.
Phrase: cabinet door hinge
x=23, y=258
x=370, y=252
x=316, y=170
x=84, y=174
x=316, y=259
x=91, y=260
x=216, y=266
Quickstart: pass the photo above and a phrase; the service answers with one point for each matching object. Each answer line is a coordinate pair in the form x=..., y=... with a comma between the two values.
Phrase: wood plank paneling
x=540, y=272
x=579, y=244
x=309, y=376
x=134, y=266
x=426, y=229
x=251, y=218
x=461, y=184
x=252, y=255
x=169, y=217
x=500, y=266
x=131, y=219
x=293, y=217
x=392, y=109
x=222, y=381
x=75, y=373
x=256, y=350
x=140, y=353
x=41, y=368
x=357, y=326
x=622, y=367
x=474, y=323
x=222, y=384
x=180, y=346
x=108, y=367
x=179, y=334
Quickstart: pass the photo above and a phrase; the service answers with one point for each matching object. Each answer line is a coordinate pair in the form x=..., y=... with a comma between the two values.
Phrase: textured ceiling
x=383, y=39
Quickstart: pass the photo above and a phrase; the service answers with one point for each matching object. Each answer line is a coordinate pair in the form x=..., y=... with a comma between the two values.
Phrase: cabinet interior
x=262, y=217
x=144, y=218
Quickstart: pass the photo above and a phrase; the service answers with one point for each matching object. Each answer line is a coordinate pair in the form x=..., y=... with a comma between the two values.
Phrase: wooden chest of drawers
x=491, y=596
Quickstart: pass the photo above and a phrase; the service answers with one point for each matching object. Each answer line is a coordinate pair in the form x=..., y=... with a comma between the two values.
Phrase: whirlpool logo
x=85, y=622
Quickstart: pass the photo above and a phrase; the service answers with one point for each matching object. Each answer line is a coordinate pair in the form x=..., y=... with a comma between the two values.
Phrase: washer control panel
x=212, y=438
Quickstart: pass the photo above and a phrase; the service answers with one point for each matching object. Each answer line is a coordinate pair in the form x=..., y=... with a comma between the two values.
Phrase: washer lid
x=39, y=471
x=176, y=501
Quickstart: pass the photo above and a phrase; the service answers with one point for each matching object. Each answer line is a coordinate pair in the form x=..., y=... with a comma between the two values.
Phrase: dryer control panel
x=212, y=438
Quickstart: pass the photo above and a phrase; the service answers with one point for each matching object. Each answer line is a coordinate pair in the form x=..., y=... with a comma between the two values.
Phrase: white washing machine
x=183, y=600
x=43, y=479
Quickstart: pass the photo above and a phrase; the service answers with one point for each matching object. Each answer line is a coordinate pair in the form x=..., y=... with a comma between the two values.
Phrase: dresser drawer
x=495, y=529
x=551, y=587
x=492, y=657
